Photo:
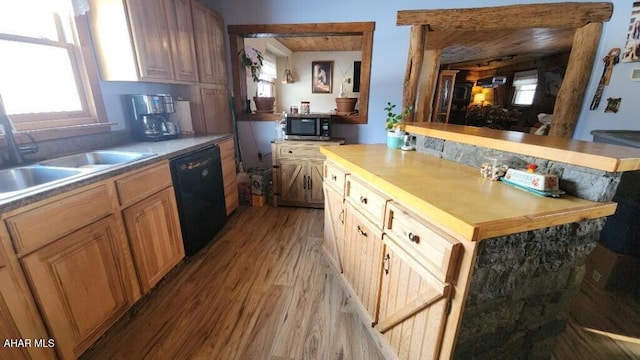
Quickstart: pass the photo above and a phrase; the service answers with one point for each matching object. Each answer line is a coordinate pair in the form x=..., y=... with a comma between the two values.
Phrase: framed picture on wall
x=322, y=73
x=631, y=51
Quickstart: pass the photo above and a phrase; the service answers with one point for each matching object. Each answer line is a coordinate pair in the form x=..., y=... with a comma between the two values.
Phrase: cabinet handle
x=387, y=260
x=290, y=152
x=309, y=183
x=363, y=200
x=341, y=216
x=334, y=178
x=361, y=232
x=414, y=238
x=304, y=182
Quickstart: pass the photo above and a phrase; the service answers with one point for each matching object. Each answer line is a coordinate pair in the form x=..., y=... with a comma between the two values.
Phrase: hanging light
x=287, y=77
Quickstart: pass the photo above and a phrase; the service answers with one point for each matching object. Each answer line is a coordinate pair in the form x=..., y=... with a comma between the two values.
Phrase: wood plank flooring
x=263, y=290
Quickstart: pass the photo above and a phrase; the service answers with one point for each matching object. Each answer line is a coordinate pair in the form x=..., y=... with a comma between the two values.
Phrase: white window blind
x=525, y=84
x=268, y=72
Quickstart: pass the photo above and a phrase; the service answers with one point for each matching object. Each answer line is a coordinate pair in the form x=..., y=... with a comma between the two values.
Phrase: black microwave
x=308, y=127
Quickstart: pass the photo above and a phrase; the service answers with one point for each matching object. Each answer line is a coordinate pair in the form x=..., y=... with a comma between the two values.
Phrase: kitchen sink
x=23, y=178
x=95, y=159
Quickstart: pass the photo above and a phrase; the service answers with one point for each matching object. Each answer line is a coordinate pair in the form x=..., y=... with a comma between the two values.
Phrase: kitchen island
x=487, y=268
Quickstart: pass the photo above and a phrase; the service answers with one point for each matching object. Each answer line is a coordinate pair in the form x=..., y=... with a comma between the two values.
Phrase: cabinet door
x=154, y=235
x=362, y=260
x=79, y=285
x=293, y=179
x=151, y=38
x=216, y=111
x=183, y=49
x=209, y=37
x=334, y=218
x=413, y=306
x=315, y=194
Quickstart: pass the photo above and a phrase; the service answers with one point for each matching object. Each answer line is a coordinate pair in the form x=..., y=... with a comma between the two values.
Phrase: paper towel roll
x=183, y=116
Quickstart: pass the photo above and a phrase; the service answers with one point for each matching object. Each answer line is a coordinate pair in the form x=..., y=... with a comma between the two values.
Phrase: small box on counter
x=532, y=180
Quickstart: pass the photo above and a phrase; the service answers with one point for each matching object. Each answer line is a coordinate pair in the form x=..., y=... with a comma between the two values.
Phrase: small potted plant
x=345, y=105
x=253, y=64
x=394, y=131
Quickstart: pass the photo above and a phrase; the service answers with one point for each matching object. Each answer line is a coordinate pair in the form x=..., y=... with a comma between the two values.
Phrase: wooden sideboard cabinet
x=298, y=172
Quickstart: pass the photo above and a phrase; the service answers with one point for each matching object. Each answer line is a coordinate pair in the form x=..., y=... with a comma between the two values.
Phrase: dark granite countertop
x=162, y=150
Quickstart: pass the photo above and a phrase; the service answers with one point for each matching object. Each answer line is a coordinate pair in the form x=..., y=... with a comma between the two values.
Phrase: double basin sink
x=20, y=180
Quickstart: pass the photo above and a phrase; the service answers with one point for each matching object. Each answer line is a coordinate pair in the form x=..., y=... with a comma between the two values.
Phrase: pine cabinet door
x=79, y=285
x=334, y=221
x=208, y=29
x=183, y=49
x=362, y=260
x=151, y=38
x=227, y=154
x=413, y=306
x=155, y=238
x=315, y=194
x=293, y=178
x=216, y=111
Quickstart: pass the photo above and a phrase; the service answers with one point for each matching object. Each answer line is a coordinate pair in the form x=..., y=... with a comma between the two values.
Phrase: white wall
x=390, y=48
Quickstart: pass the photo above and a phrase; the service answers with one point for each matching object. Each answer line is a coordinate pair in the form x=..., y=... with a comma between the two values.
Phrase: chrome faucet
x=13, y=150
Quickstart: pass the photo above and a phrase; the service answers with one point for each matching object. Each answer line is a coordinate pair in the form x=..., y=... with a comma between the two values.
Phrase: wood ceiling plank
x=559, y=15
x=299, y=29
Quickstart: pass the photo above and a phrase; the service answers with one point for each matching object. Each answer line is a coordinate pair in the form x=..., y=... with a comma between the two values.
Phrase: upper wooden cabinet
x=208, y=28
x=144, y=40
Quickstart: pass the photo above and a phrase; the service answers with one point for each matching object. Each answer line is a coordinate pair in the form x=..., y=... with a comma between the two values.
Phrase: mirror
x=317, y=37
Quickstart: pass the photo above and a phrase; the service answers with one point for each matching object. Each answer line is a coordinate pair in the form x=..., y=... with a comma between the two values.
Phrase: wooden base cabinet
x=413, y=306
x=334, y=222
x=154, y=235
x=229, y=176
x=78, y=284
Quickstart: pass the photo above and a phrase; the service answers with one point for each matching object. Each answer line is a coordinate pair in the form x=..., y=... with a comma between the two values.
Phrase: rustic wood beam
x=365, y=76
x=417, y=42
x=236, y=43
x=557, y=15
x=430, y=68
x=574, y=85
x=314, y=29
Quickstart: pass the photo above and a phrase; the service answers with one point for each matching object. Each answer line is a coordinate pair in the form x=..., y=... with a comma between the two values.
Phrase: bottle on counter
x=305, y=107
x=280, y=126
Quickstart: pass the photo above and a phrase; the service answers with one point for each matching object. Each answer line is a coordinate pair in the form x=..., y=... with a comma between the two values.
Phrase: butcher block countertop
x=600, y=156
x=456, y=197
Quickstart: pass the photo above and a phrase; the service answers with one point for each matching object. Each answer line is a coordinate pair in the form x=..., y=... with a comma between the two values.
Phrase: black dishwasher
x=197, y=181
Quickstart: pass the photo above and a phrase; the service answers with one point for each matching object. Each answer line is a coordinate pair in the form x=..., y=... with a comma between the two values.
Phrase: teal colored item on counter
x=394, y=142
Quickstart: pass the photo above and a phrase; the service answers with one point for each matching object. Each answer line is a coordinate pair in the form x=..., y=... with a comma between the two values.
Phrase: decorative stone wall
x=582, y=182
x=523, y=283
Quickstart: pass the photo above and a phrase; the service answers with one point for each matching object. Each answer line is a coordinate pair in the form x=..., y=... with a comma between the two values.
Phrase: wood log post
x=236, y=43
x=571, y=93
x=417, y=42
x=428, y=83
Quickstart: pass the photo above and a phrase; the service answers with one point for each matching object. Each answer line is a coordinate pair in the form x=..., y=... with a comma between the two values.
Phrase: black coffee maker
x=150, y=113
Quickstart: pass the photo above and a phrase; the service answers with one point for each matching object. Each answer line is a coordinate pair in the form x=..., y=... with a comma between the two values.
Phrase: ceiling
x=462, y=50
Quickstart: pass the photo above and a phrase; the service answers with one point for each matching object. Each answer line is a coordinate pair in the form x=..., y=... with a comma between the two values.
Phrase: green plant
x=254, y=65
x=393, y=118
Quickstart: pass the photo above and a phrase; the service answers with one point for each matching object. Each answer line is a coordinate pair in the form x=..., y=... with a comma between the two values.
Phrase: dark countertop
x=162, y=150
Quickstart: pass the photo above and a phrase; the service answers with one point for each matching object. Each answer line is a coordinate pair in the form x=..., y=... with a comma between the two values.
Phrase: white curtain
x=529, y=77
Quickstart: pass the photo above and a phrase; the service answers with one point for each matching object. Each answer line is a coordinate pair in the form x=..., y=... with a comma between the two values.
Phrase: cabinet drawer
x=368, y=201
x=299, y=151
x=335, y=176
x=35, y=228
x=138, y=186
x=437, y=251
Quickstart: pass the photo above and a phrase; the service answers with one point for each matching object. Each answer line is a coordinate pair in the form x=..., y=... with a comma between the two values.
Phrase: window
x=525, y=83
x=268, y=76
x=43, y=81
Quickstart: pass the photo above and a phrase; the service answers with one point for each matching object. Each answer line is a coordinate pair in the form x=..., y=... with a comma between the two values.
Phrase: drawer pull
x=361, y=232
x=341, y=216
x=334, y=178
x=363, y=200
x=387, y=265
x=304, y=182
x=290, y=152
x=414, y=238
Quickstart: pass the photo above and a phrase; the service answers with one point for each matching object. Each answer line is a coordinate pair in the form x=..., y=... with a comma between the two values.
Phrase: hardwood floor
x=263, y=290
